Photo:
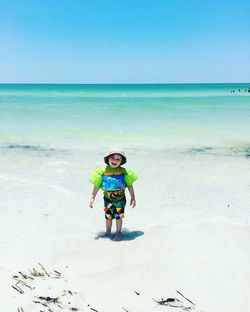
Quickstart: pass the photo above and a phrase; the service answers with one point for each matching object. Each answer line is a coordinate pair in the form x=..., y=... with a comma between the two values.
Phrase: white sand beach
x=188, y=235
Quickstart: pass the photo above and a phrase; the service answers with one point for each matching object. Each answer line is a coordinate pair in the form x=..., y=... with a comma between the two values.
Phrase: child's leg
x=120, y=206
x=118, y=225
x=118, y=230
x=108, y=226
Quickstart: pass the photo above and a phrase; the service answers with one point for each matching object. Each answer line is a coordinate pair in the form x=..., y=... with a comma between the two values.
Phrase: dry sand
x=189, y=232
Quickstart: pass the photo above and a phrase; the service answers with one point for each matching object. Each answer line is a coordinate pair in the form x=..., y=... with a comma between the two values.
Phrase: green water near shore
x=156, y=116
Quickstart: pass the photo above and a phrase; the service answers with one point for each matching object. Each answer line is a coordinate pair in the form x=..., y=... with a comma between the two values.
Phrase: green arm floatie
x=130, y=177
x=96, y=178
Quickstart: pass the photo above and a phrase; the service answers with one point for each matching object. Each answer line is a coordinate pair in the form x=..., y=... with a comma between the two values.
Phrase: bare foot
x=104, y=235
x=118, y=237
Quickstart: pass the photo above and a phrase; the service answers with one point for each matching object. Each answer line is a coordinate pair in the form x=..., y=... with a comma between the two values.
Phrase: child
x=113, y=179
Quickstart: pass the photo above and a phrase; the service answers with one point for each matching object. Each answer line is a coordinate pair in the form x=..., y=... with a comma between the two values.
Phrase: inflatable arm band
x=96, y=179
x=130, y=177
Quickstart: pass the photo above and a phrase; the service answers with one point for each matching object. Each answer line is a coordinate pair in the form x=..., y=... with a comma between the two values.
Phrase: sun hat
x=115, y=151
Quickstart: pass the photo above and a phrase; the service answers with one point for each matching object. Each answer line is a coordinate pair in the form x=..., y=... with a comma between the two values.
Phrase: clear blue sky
x=126, y=41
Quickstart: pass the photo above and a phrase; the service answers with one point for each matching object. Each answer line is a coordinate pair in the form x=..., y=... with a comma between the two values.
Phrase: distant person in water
x=113, y=179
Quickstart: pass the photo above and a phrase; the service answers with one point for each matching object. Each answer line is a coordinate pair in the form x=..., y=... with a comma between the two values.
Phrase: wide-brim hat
x=115, y=151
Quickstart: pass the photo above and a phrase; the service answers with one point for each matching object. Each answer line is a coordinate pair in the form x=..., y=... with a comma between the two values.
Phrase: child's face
x=115, y=160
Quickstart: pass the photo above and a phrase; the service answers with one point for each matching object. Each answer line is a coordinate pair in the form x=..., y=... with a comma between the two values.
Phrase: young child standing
x=113, y=179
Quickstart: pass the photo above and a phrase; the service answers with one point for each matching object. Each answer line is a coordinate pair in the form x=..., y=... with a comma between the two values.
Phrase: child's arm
x=132, y=195
x=92, y=199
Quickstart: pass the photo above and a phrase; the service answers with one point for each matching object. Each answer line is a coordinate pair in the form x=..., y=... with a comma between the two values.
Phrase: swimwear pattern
x=113, y=180
x=114, y=209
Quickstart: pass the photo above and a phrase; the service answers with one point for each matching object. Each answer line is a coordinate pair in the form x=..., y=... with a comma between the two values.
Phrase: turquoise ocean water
x=190, y=117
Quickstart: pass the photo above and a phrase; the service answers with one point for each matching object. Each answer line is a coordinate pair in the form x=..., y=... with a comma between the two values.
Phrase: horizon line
x=116, y=83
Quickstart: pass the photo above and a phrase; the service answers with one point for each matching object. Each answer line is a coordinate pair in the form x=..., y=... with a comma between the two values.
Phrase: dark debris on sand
x=25, y=282
x=46, y=302
x=183, y=303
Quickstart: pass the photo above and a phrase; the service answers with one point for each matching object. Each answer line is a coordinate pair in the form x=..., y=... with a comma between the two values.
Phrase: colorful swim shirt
x=113, y=180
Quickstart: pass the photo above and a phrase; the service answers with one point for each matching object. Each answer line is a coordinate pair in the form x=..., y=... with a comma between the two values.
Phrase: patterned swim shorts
x=114, y=209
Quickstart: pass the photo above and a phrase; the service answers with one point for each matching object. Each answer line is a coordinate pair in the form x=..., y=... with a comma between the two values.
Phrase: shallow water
x=79, y=117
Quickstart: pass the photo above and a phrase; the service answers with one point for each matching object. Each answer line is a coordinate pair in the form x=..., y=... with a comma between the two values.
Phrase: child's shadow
x=131, y=235
x=125, y=234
